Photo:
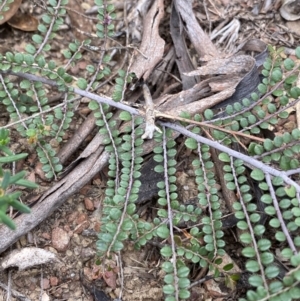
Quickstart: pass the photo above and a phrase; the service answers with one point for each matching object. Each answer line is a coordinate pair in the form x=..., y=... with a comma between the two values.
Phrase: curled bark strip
x=202, y=43
x=152, y=46
x=183, y=59
x=203, y=104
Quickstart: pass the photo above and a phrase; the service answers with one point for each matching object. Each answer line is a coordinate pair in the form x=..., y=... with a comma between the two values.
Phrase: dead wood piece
x=150, y=116
x=203, y=104
x=202, y=43
x=79, y=136
x=152, y=46
x=183, y=59
x=223, y=82
x=167, y=102
x=54, y=197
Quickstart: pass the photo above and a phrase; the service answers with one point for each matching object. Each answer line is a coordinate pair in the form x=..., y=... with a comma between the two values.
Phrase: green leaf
x=267, y=258
x=264, y=244
x=27, y=184
x=252, y=266
x=163, y=231
x=262, y=88
x=257, y=175
x=248, y=252
x=271, y=271
x=169, y=279
x=224, y=157
x=118, y=246
x=82, y=83
x=208, y=114
x=183, y=272
x=287, y=253
x=37, y=39
x=297, y=51
x=280, y=236
x=228, y=267
x=183, y=283
x=288, y=64
x=290, y=191
x=276, y=75
x=30, y=49
x=191, y=143
x=231, y=186
x=7, y=221
x=13, y=158
x=246, y=238
x=166, y=251
x=168, y=267
x=168, y=289
x=159, y=168
x=255, y=280
x=291, y=79
x=184, y=294
x=126, y=116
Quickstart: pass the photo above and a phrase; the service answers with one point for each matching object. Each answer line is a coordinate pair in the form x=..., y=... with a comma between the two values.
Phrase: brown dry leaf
x=152, y=46
x=26, y=258
x=24, y=22
x=110, y=277
x=13, y=7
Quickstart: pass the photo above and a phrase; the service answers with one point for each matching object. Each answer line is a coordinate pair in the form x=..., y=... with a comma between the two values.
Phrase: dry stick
x=127, y=108
x=159, y=114
x=8, y=286
x=150, y=115
x=279, y=215
x=250, y=162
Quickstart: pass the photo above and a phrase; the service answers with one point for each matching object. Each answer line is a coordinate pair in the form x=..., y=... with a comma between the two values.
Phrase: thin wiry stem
x=250, y=228
x=208, y=198
x=170, y=215
x=80, y=92
x=49, y=31
x=12, y=101
x=279, y=215
x=129, y=188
